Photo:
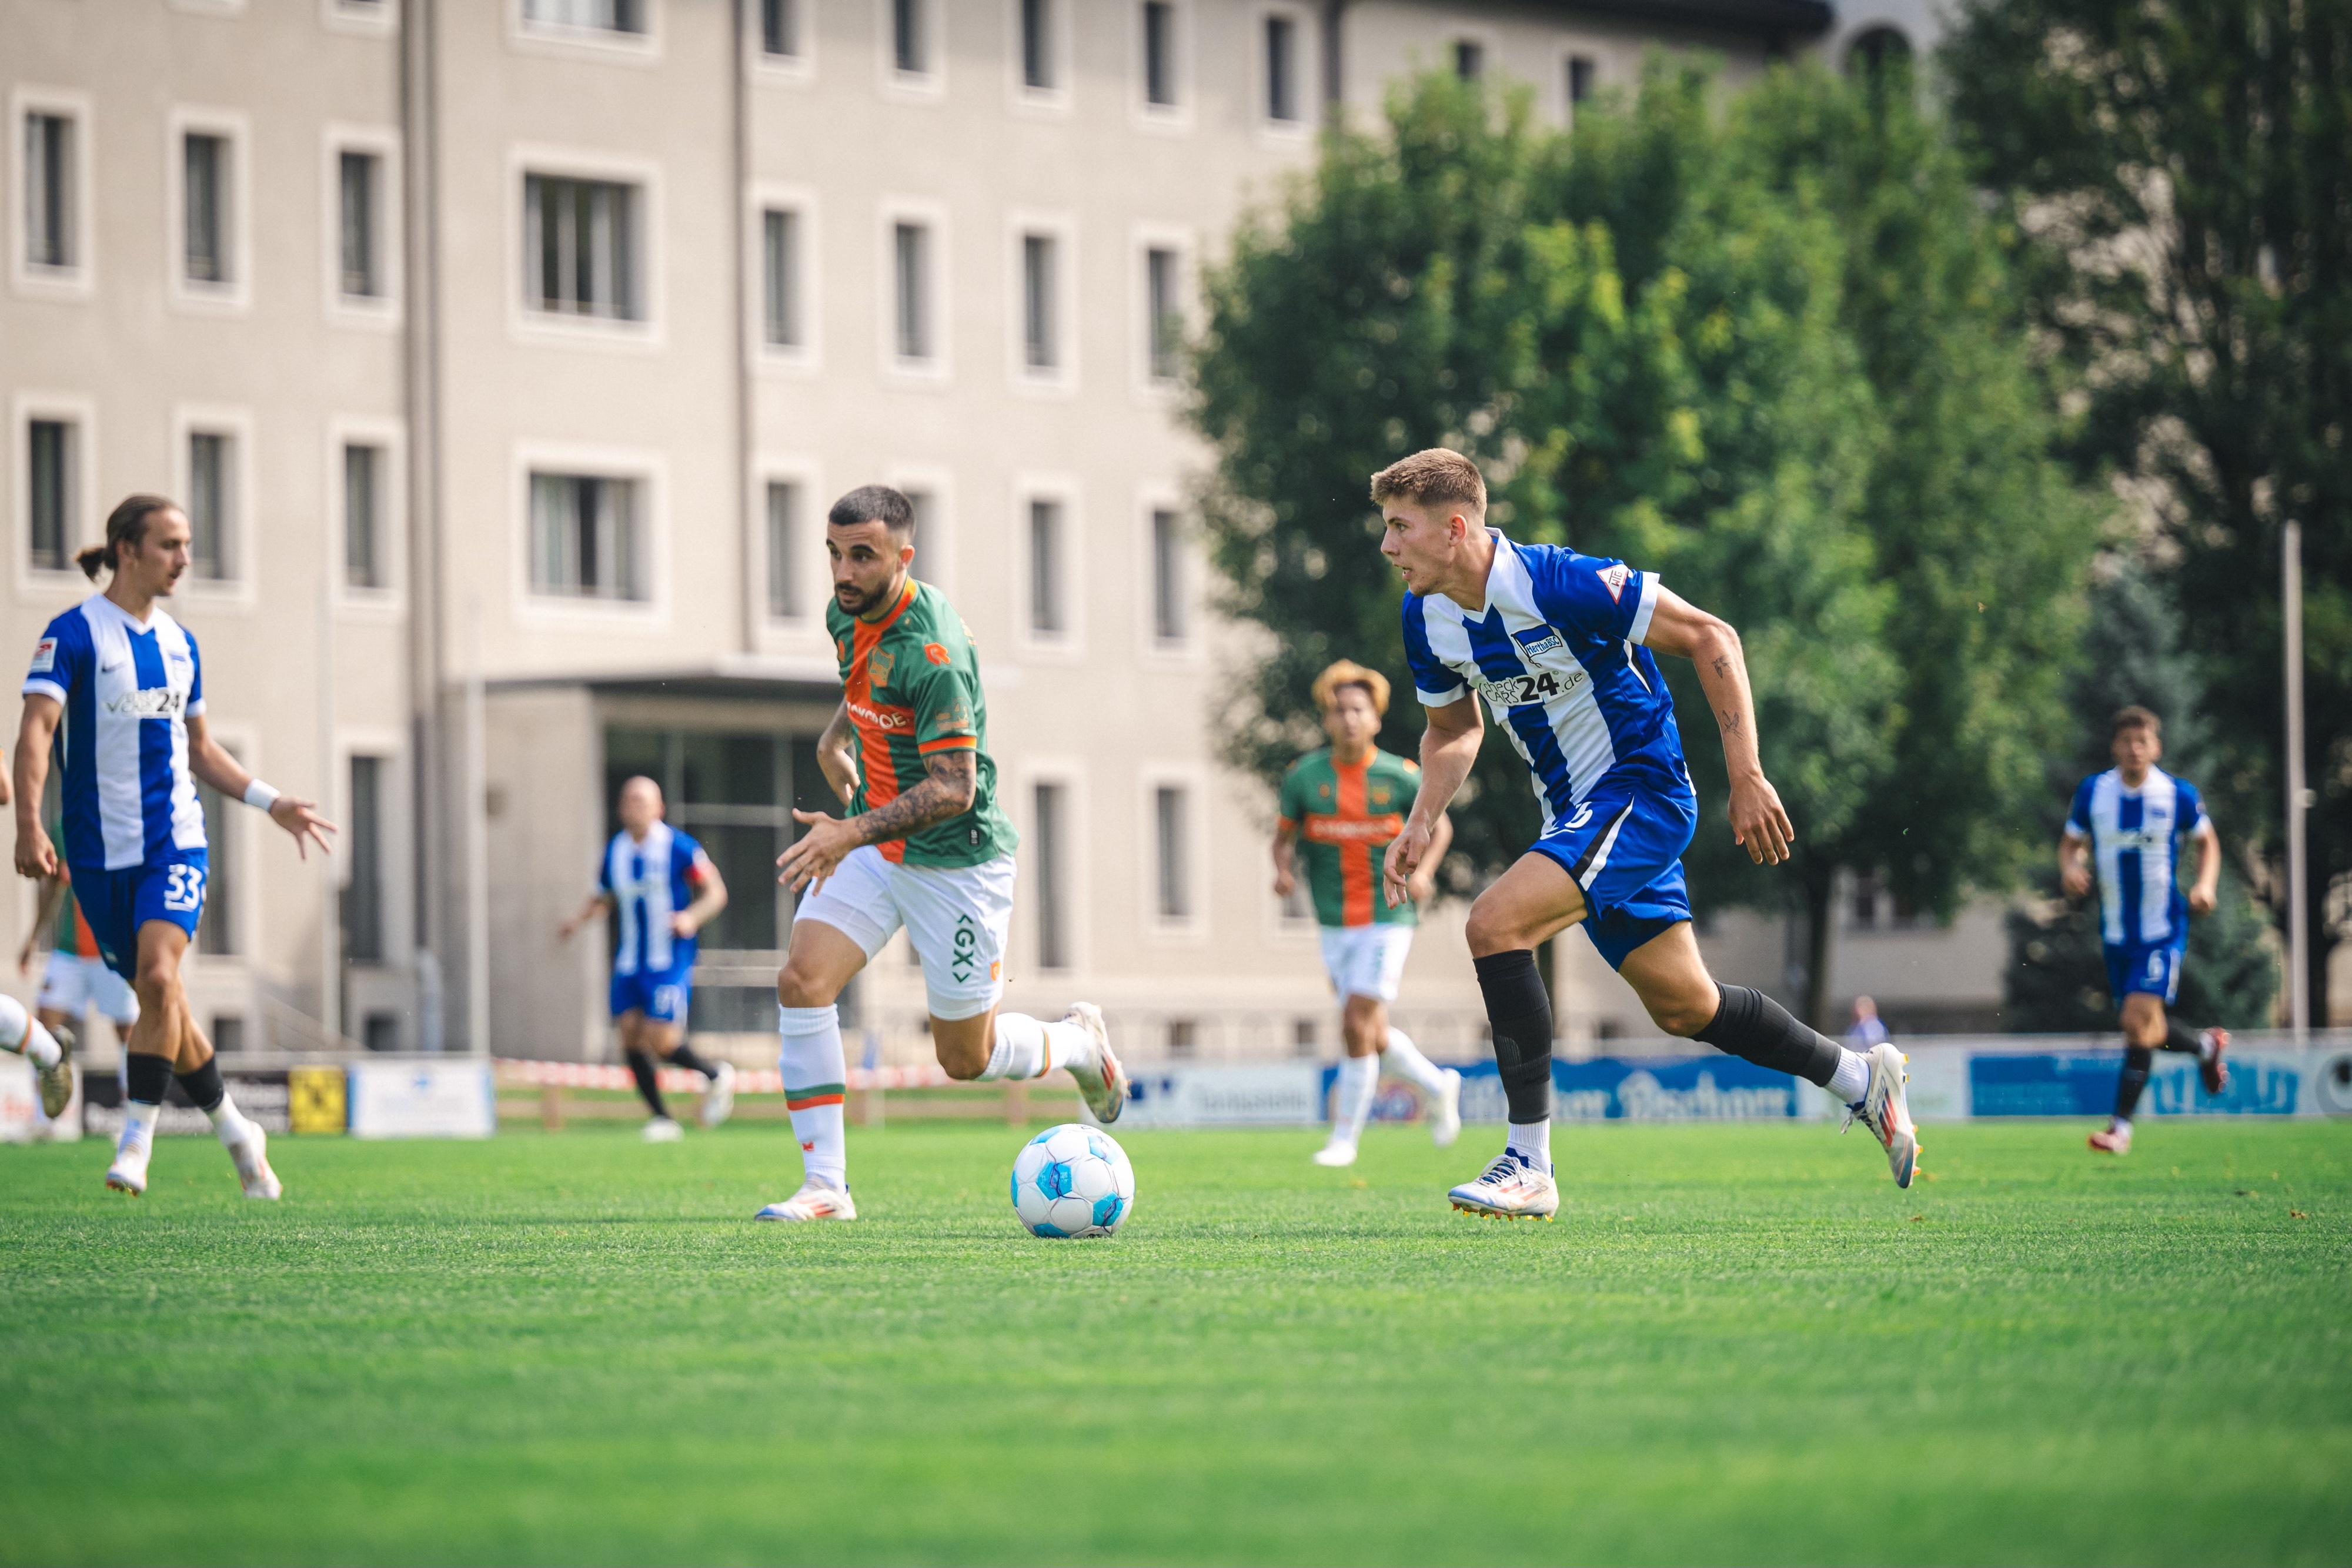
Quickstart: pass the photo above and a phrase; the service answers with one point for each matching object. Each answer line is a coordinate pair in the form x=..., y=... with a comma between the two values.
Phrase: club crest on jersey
x=935, y=654
x=1614, y=578
x=878, y=666
x=44, y=655
x=1537, y=641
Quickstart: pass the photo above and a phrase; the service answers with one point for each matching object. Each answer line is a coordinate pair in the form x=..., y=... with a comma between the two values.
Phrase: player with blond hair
x=1562, y=648
x=1340, y=806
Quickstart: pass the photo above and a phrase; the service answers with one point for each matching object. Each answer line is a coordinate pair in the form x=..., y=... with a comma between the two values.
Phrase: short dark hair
x=874, y=504
x=1432, y=478
x=2135, y=717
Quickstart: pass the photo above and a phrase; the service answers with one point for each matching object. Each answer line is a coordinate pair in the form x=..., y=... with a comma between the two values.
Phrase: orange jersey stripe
x=948, y=743
x=1355, y=859
x=873, y=721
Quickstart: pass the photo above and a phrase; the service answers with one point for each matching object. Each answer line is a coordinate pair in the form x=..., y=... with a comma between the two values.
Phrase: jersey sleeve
x=1591, y=594
x=605, y=871
x=2192, y=808
x=2078, y=815
x=60, y=658
x=947, y=709
x=689, y=862
x=1290, y=805
x=195, y=675
x=1434, y=683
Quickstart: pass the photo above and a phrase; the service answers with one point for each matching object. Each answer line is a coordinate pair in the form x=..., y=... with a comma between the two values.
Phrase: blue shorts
x=1624, y=847
x=661, y=995
x=2149, y=969
x=117, y=902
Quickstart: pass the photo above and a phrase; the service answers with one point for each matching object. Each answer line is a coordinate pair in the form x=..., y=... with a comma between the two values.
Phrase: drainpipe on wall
x=420, y=364
x=754, y=598
x=1335, y=80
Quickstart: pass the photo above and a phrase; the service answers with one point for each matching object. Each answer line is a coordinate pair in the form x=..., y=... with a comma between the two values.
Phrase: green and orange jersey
x=1344, y=814
x=910, y=682
x=72, y=934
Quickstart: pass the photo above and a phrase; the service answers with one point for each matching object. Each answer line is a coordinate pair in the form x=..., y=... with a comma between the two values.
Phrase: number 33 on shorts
x=183, y=887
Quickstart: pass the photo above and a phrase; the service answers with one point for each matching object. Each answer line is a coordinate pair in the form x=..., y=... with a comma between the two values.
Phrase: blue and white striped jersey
x=2136, y=842
x=128, y=691
x=650, y=880
x=1558, y=656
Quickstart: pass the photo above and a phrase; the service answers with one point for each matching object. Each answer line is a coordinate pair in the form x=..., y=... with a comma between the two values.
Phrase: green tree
x=2180, y=174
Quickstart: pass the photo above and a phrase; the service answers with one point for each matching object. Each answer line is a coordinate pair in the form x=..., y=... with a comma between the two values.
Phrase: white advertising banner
x=423, y=1100
x=1277, y=1096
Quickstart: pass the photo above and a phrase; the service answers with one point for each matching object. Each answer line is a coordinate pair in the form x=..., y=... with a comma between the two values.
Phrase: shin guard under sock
x=2178, y=1036
x=686, y=1057
x=642, y=1069
x=1750, y=1024
x=816, y=1068
x=1520, y=1014
x=2138, y=1060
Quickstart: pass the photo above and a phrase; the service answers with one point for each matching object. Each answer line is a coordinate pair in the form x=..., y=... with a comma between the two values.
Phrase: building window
x=580, y=248
x=1282, y=68
x=929, y=554
x=784, y=549
x=910, y=42
x=217, y=933
x=1160, y=54
x=1184, y=1039
x=910, y=251
x=207, y=196
x=1469, y=58
x=1580, y=81
x=210, y=503
x=1037, y=45
x=780, y=28
x=592, y=16
x=735, y=791
x=1163, y=318
x=780, y=276
x=361, y=189
x=49, y=498
x=49, y=174
x=363, y=478
x=1168, y=625
x=362, y=848
x=1874, y=49
x=1174, y=866
x=584, y=537
x=1306, y=1037
x=1048, y=860
x=1049, y=617
x=1041, y=340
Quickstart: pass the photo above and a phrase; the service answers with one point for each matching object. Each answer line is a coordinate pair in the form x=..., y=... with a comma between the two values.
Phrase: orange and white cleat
x=1510, y=1188
x=813, y=1201
x=2211, y=1071
x=1887, y=1112
x=2114, y=1139
x=1104, y=1088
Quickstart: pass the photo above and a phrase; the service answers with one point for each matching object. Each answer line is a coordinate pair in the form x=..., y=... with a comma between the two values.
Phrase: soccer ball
x=1072, y=1180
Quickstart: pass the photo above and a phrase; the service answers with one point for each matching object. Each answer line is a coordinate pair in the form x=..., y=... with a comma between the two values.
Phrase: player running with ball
x=1340, y=807
x=119, y=687
x=1560, y=646
x=924, y=847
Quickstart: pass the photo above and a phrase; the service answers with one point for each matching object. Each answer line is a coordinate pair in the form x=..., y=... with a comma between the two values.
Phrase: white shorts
x=959, y=917
x=1366, y=960
x=71, y=985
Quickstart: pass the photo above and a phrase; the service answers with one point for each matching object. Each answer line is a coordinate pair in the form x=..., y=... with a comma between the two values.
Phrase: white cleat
x=813, y=1201
x=1104, y=1089
x=1445, y=1112
x=1887, y=1112
x=1511, y=1188
x=252, y=1159
x=1336, y=1154
x=128, y=1171
x=718, y=1100
x=662, y=1130
x=57, y=1082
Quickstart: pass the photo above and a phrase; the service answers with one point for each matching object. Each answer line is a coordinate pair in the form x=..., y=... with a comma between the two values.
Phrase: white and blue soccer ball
x=1072, y=1180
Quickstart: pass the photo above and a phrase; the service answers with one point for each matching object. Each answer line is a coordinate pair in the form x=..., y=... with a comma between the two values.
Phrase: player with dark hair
x=1560, y=645
x=1340, y=806
x=2131, y=821
x=924, y=847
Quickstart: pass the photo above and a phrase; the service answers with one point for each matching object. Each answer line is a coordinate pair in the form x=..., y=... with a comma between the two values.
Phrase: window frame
x=1144, y=238
x=241, y=740
x=389, y=746
x=1187, y=652
x=78, y=280
x=806, y=357
x=1571, y=58
x=238, y=589
x=938, y=369
x=361, y=18
x=646, y=333
x=604, y=45
x=1066, y=646
x=1300, y=127
x=195, y=296
x=379, y=311
x=1192, y=778
x=391, y=435
x=778, y=468
x=927, y=86
x=937, y=537
x=1051, y=102
x=83, y=524
x=1061, y=378
x=648, y=468
x=1069, y=774
x=1173, y=118
x=781, y=70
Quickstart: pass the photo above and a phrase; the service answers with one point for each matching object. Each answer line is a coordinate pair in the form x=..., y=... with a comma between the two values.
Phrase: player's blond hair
x=1432, y=477
x=1348, y=673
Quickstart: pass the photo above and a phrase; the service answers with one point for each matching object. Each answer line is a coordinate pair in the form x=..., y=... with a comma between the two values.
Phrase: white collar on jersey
x=156, y=613
x=1496, y=578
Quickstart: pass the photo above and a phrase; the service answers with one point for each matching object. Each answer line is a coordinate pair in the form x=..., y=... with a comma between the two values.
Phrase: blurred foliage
x=2178, y=176
x=1765, y=350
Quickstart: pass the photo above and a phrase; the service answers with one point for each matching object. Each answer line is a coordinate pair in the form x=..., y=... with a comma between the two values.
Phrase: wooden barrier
x=569, y=1091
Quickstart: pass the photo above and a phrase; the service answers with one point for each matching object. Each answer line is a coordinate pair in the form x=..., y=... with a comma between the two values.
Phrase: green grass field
x=1738, y=1344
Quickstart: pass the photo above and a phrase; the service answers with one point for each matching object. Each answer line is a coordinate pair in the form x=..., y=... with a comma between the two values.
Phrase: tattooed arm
x=951, y=779
x=1759, y=822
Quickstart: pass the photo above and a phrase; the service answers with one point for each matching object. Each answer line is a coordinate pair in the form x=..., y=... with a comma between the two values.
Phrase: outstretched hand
x=818, y=853
x=301, y=819
x=1400, y=867
x=1760, y=823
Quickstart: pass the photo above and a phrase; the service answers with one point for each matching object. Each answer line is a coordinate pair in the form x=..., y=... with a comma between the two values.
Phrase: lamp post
x=2298, y=916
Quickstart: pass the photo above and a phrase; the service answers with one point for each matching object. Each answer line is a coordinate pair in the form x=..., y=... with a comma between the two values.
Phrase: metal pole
x=330, y=924
x=478, y=844
x=2298, y=798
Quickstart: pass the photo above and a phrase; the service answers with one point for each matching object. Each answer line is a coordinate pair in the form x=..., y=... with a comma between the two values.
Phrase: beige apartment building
x=507, y=354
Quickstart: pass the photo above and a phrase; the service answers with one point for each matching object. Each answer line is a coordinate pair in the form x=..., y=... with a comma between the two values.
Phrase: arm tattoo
x=946, y=791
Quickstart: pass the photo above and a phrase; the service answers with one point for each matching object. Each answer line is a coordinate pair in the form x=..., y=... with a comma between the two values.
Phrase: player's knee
x=797, y=990
x=962, y=1064
x=158, y=978
x=1680, y=1016
x=1490, y=930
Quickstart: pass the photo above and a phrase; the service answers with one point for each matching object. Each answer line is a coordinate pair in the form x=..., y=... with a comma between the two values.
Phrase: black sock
x=1520, y=1013
x=684, y=1056
x=148, y=1078
x=641, y=1066
x=204, y=1086
x=2138, y=1060
x=2178, y=1036
x=1750, y=1024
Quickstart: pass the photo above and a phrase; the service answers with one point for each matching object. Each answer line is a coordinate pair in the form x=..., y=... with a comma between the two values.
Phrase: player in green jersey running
x=924, y=846
x=1340, y=807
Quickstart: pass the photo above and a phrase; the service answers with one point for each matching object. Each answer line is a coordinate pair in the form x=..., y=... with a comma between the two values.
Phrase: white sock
x=1070, y=1046
x=1359, y=1083
x=1403, y=1058
x=1532, y=1143
x=137, y=1128
x=1851, y=1081
x=229, y=1124
x=1019, y=1051
x=2120, y=1125
x=21, y=1032
x=815, y=1076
